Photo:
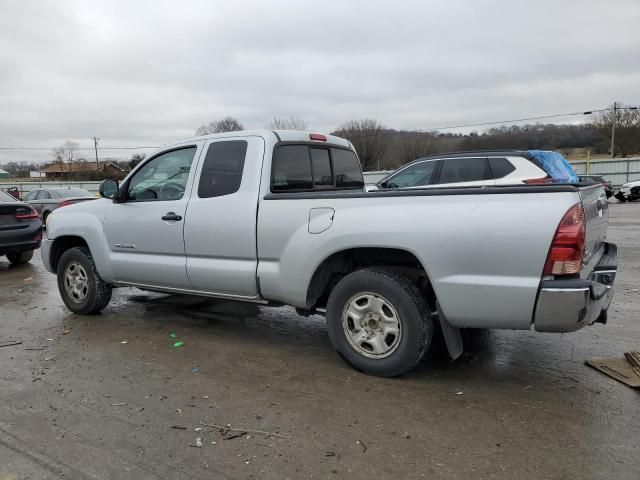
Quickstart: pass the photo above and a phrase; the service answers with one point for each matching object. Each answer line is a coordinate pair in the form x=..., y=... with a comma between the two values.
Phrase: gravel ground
x=107, y=396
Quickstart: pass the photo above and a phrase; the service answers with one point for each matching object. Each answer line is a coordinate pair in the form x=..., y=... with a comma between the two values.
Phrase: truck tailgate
x=596, y=213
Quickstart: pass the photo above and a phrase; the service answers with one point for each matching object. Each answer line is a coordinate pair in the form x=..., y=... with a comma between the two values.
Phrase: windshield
x=5, y=197
x=73, y=192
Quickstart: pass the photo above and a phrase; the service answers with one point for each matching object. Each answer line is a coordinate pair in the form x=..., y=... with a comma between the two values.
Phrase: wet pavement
x=107, y=396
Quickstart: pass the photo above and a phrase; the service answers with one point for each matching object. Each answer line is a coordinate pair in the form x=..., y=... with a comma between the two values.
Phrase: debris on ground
x=119, y=404
x=224, y=430
x=10, y=343
x=124, y=342
x=172, y=335
x=66, y=332
x=625, y=369
x=198, y=443
x=178, y=344
x=178, y=427
x=459, y=393
x=195, y=369
x=361, y=443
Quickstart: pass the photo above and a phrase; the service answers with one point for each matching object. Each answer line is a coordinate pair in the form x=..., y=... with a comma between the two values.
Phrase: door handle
x=171, y=216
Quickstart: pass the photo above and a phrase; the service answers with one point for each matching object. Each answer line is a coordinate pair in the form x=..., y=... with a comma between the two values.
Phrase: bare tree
x=370, y=139
x=294, y=122
x=58, y=156
x=227, y=124
x=627, y=131
x=136, y=158
x=70, y=150
x=412, y=145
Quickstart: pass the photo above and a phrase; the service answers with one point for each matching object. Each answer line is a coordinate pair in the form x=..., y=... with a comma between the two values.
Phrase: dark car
x=20, y=229
x=608, y=187
x=47, y=200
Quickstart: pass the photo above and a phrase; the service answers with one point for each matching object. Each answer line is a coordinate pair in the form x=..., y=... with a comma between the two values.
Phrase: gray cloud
x=150, y=72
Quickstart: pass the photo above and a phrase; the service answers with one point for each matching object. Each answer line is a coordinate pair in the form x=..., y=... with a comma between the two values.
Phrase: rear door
x=220, y=226
x=464, y=172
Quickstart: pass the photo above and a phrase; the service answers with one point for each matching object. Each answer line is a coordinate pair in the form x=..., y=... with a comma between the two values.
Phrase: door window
x=44, y=195
x=222, y=168
x=458, y=170
x=413, y=176
x=162, y=178
x=32, y=195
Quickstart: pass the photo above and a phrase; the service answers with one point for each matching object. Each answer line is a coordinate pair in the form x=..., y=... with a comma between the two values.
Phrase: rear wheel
x=81, y=288
x=20, y=257
x=379, y=322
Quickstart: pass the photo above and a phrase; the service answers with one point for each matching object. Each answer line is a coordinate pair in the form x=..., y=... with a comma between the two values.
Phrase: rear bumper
x=569, y=305
x=20, y=240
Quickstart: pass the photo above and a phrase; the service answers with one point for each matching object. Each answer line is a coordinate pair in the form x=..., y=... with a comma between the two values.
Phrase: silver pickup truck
x=281, y=217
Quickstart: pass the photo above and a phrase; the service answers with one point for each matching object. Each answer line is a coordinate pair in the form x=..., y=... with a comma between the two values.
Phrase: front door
x=145, y=230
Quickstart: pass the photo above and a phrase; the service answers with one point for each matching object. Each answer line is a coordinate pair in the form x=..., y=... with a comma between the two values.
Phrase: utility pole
x=614, y=120
x=95, y=146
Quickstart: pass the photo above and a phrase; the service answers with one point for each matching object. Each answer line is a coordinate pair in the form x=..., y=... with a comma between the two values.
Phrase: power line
x=395, y=132
x=81, y=148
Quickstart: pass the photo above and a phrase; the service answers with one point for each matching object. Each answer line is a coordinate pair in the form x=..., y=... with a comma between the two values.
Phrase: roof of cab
x=279, y=135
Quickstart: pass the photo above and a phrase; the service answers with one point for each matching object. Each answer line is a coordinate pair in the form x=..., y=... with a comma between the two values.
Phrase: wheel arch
x=62, y=244
x=340, y=263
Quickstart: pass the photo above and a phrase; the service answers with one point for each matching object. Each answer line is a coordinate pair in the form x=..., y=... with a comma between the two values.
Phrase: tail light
x=567, y=248
x=65, y=203
x=24, y=213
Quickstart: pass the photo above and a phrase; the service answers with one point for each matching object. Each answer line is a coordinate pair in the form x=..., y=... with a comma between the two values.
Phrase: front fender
x=83, y=220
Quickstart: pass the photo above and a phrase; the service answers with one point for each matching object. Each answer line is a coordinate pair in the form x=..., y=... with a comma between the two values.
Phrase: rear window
x=71, y=193
x=5, y=197
x=500, y=167
x=304, y=168
x=458, y=170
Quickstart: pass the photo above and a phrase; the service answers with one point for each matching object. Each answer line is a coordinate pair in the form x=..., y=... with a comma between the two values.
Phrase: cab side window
x=222, y=169
x=162, y=178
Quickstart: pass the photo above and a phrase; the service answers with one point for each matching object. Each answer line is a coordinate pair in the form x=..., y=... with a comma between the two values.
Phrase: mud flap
x=452, y=336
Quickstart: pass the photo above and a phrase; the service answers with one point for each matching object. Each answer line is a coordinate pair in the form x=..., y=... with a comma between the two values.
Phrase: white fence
x=617, y=171
x=26, y=187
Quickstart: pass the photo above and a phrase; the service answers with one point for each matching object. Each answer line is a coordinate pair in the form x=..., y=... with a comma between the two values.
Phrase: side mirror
x=109, y=188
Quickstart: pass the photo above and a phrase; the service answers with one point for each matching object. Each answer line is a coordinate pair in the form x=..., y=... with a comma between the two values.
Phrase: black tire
x=97, y=293
x=44, y=219
x=20, y=257
x=414, y=317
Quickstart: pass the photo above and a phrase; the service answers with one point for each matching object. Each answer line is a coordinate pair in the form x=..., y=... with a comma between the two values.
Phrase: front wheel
x=81, y=288
x=379, y=322
x=20, y=257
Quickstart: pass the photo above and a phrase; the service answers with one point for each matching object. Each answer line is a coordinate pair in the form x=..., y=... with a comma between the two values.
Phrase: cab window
x=163, y=178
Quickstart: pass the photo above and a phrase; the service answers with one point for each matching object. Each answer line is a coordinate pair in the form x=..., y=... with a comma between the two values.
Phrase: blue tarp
x=555, y=165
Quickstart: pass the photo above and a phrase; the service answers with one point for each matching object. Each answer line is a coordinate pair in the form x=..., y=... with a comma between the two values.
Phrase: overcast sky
x=147, y=73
